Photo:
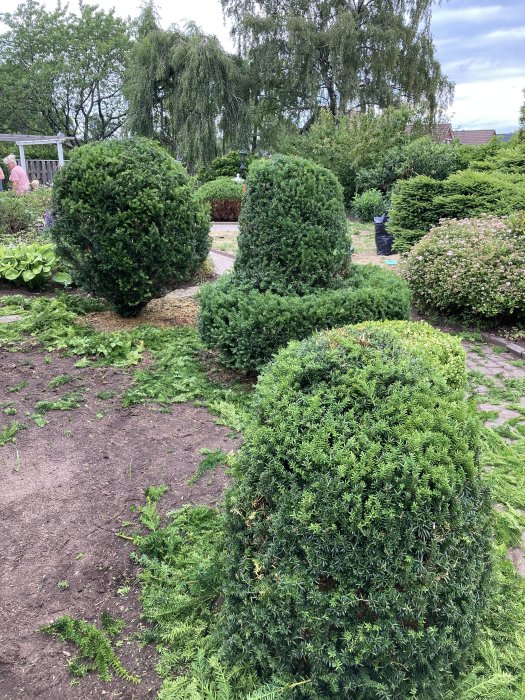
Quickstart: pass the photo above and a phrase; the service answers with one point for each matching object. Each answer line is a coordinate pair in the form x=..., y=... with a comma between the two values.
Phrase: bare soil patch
x=165, y=312
x=66, y=489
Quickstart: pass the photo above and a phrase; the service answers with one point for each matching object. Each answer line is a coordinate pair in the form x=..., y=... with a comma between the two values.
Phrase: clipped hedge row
x=358, y=530
x=420, y=203
x=248, y=326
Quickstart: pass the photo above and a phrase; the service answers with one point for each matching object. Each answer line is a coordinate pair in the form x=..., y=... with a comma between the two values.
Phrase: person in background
x=2, y=176
x=18, y=176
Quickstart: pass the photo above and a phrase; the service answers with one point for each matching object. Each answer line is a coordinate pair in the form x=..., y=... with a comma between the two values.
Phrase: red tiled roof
x=474, y=137
x=439, y=132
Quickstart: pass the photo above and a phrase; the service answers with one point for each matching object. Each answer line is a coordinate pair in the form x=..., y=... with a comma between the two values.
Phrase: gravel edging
x=510, y=347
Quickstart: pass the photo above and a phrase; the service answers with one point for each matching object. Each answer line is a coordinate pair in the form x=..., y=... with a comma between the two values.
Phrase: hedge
x=127, y=221
x=358, y=554
x=420, y=203
x=248, y=326
x=225, y=196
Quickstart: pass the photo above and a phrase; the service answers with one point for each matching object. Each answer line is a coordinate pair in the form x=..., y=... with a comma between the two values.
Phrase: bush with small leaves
x=224, y=196
x=292, y=275
x=368, y=204
x=357, y=532
x=128, y=221
x=248, y=326
x=473, y=268
x=293, y=233
x=420, y=203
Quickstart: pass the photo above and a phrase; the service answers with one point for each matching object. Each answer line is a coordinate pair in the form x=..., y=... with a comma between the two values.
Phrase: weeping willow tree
x=339, y=54
x=185, y=90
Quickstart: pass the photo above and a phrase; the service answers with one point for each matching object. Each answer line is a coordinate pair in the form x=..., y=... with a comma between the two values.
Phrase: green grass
x=66, y=403
x=60, y=380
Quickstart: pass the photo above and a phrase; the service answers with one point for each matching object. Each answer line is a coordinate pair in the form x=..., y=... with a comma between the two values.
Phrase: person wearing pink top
x=18, y=175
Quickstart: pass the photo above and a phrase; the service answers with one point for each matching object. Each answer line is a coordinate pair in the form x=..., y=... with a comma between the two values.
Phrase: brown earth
x=66, y=489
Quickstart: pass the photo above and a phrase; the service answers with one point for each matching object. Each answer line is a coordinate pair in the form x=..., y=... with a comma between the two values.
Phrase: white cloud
x=487, y=104
x=467, y=14
x=507, y=34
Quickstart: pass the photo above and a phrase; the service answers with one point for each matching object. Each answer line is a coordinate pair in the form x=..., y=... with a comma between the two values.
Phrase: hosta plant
x=32, y=265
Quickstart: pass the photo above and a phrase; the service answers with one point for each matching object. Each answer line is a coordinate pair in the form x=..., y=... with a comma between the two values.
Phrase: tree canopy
x=185, y=90
x=339, y=54
x=61, y=71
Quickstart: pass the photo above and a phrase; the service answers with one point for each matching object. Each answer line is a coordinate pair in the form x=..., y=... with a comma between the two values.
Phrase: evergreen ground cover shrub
x=367, y=205
x=473, y=268
x=357, y=533
x=248, y=326
x=420, y=203
x=128, y=221
x=224, y=196
x=292, y=274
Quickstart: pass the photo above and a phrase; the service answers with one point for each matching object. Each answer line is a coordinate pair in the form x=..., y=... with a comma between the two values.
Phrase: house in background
x=474, y=137
x=444, y=133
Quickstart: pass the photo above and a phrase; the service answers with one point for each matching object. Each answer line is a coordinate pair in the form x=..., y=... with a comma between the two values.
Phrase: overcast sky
x=481, y=45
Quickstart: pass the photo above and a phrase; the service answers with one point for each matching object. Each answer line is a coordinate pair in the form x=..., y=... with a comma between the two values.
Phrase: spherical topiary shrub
x=357, y=530
x=128, y=221
x=474, y=268
x=293, y=232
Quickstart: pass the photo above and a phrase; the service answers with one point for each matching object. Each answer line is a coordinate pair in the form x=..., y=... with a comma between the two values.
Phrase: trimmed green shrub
x=225, y=166
x=411, y=211
x=293, y=233
x=357, y=532
x=128, y=221
x=441, y=351
x=420, y=203
x=367, y=205
x=31, y=265
x=473, y=268
x=248, y=326
x=225, y=196
x=222, y=188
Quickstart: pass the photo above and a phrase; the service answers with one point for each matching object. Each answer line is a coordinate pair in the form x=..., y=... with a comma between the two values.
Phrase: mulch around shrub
x=67, y=489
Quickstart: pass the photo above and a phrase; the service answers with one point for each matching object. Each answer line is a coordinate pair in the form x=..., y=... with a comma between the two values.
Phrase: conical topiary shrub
x=358, y=529
x=292, y=274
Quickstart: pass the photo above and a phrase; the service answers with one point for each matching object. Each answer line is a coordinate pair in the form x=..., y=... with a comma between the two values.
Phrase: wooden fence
x=41, y=170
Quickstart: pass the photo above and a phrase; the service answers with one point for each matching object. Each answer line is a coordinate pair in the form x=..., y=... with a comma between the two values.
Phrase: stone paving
x=498, y=366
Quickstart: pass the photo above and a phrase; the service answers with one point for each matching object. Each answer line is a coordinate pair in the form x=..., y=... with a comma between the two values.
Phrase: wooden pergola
x=22, y=140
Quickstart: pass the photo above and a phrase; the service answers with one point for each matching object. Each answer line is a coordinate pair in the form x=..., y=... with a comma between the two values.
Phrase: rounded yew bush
x=358, y=529
x=128, y=221
x=293, y=232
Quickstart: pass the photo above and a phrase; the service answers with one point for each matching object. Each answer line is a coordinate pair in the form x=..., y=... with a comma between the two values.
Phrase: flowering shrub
x=470, y=268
